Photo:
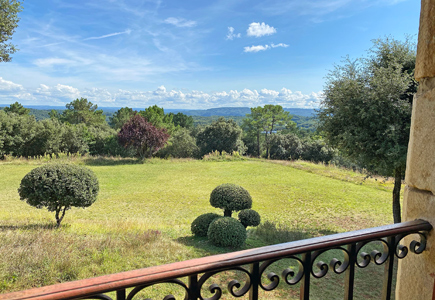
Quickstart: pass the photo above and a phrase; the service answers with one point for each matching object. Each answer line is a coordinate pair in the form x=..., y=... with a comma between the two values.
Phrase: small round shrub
x=226, y=232
x=58, y=187
x=230, y=197
x=249, y=217
x=200, y=225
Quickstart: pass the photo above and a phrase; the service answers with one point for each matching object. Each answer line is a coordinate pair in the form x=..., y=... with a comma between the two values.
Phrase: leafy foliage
x=180, y=145
x=17, y=108
x=142, y=136
x=226, y=232
x=200, y=225
x=81, y=111
x=249, y=217
x=366, y=111
x=265, y=120
x=8, y=22
x=222, y=135
x=230, y=197
x=182, y=120
x=157, y=117
x=58, y=187
x=121, y=116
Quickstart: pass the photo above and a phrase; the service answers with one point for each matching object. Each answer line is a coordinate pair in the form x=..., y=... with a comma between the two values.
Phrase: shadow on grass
x=267, y=233
x=108, y=161
x=46, y=226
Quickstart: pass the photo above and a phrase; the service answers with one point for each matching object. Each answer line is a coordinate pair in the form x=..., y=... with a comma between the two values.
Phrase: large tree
x=17, y=108
x=9, y=10
x=222, y=135
x=81, y=111
x=264, y=120
x=121, y=116
x=366, y=111
x=142, y=136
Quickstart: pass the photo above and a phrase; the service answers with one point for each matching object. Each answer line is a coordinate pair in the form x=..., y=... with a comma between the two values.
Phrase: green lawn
x=143, y=213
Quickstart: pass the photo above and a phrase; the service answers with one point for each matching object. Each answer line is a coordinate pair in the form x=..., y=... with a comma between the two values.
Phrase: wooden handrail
x=118, y=281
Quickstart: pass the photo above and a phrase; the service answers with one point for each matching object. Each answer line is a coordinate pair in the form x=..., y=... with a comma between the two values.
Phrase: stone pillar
x=416, y=273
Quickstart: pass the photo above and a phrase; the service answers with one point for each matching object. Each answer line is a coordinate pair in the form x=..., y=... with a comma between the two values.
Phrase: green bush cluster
x=226, y=231
x=58, y=187
x=249, y=217
x=200, y=225
x=230, y=197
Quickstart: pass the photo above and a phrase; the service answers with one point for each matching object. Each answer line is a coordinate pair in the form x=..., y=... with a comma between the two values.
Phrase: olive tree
x=58, y=187
x=366, y=110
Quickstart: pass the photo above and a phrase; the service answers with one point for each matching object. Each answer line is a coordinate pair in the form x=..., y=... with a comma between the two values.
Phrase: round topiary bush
x=249, y=217
x=226, y=232
x=200, y=225
x=230, y=197
x=58, y=187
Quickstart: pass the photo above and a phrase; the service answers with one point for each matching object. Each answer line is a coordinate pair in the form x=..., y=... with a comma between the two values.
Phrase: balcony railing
x=192, y=275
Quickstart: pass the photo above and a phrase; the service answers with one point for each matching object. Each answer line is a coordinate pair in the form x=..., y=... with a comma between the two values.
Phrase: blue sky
x=192, y=54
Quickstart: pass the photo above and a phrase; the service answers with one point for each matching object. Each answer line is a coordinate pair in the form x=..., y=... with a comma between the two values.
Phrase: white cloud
x=231, y=35
x=260, y=29
x=9, y=86
x=256, y=48
x=179, y=22
x=263, y=47
x=57, y=93
x=279, y=45
x=128, y=31
x=61, y=94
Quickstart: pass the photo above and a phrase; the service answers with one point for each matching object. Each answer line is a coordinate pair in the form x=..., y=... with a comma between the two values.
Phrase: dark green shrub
x=58, y=187
x=226, y=232
x=200, y=225
x=230, y=197
x=249, y=217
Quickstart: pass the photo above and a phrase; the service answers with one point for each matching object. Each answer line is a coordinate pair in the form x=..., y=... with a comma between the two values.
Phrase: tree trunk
x=258, y=143
x=59, y=218
x=396, y=195
x=227, y=213
x=267, y=146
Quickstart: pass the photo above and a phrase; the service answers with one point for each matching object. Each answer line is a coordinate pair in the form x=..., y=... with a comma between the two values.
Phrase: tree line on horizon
x=82, y=128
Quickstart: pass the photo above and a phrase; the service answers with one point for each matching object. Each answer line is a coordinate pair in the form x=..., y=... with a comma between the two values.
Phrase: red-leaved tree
x=143, y=136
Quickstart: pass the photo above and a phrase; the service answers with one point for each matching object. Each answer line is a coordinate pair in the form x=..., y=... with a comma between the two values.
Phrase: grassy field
x=143, y=214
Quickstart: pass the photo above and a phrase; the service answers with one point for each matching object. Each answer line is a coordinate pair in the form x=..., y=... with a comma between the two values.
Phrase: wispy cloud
x=256, y=48
x=231, y=35
x=180, y=22
x=279, y=45
x=128, y=31
x=259, y=48
x=260, y=29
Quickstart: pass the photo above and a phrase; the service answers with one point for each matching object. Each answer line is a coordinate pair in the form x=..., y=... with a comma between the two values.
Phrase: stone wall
x=415, y=279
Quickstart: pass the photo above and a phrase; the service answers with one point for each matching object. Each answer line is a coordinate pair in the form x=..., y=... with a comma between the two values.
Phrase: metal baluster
x=305, y=282
x=388, y=271
x=350, y=273
x=193, y=287
x=120, y=294
x=255, y=281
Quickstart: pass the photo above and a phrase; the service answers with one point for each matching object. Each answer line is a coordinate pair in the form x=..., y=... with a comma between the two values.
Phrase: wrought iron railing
x=192, y=275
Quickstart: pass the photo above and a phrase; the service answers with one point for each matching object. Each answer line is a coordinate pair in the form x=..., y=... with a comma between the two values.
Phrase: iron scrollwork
x=234, y=286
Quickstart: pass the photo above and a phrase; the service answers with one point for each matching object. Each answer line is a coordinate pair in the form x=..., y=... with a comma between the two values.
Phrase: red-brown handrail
x=119, y=281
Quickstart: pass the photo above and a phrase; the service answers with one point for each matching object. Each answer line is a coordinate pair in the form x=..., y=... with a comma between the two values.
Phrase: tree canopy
x=17, y=108
x=142, y=136
x=366, y=111
x=8, y=22
x=81, y=111
x=222, y=135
